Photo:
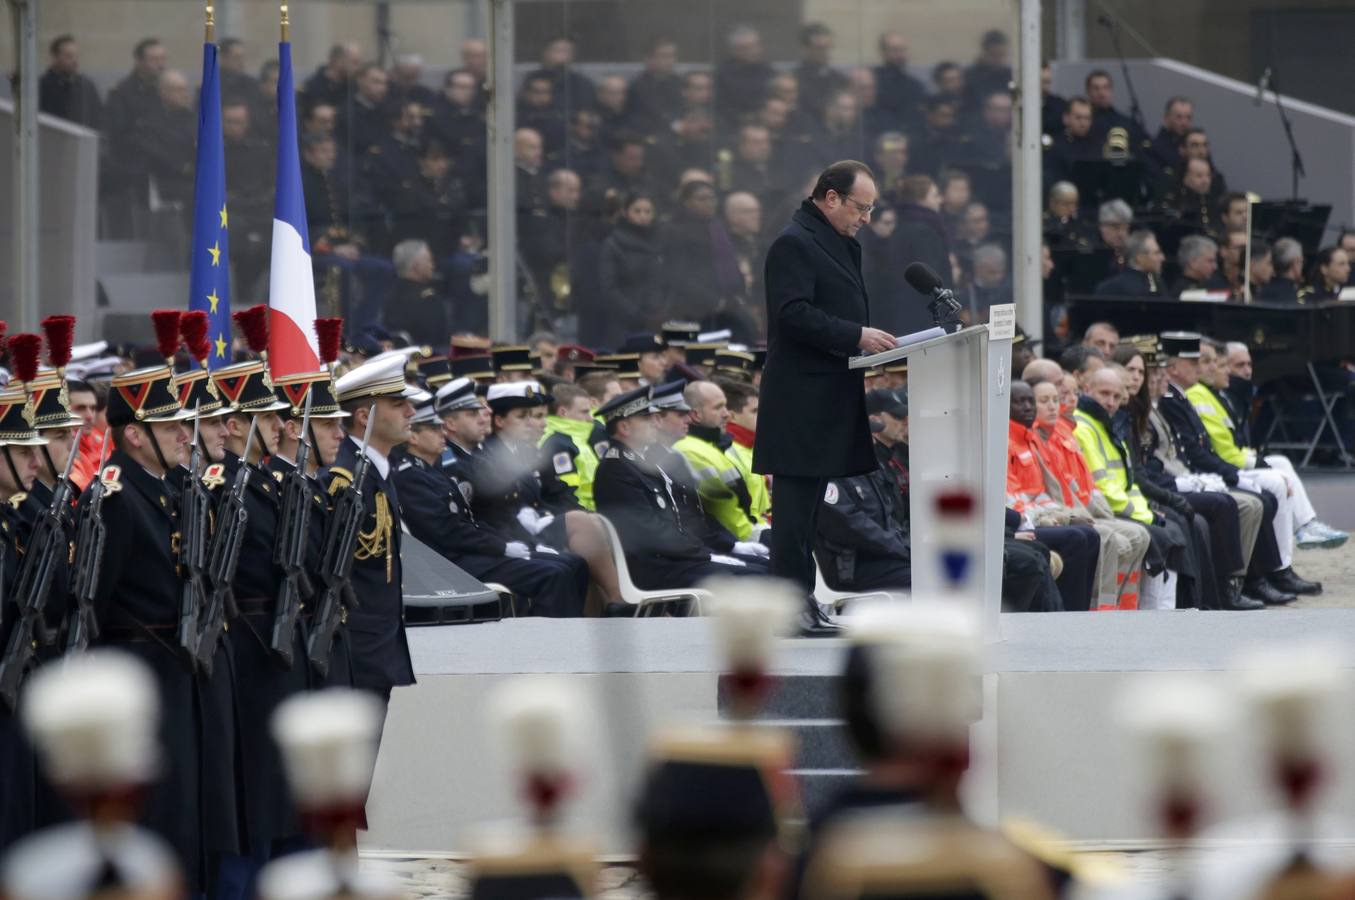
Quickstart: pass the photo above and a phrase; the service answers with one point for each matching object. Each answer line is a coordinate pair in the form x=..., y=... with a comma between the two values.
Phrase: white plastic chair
x=837, y=599
x=645, y=601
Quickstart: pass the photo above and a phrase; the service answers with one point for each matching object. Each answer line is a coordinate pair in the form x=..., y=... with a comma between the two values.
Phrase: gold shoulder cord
x=377, y=542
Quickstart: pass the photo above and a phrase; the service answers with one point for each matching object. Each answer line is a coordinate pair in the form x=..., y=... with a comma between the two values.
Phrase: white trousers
x=1294, y=510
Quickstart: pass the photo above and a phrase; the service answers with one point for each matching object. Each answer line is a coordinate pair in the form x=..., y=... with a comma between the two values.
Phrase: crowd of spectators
x=639, y=198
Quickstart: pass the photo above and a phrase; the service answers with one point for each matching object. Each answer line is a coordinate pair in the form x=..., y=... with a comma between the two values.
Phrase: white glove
x=727, y=560
x=1249, y=461
x=1189, y=483
x=542, y=548
x=758, y=530
x=517, y=550
x=1213, y=481
x=752, y=548
x=527, y=518
x=543, y=523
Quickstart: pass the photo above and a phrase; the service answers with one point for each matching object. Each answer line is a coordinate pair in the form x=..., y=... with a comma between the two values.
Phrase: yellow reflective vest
x=573, y=459
x=1108, y=468
x=1217, y=424
x=760, y=499
x=720, y=483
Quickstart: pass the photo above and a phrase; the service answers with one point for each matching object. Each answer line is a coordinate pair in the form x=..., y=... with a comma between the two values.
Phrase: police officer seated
x=1143, y=276
x=435, y=507
x=465, y=423
x=663, y=549
x=521, y=497
x=671, y=423
x=862, y=544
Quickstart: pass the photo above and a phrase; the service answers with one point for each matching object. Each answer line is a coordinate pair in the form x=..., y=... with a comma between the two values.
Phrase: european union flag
x=211, y=280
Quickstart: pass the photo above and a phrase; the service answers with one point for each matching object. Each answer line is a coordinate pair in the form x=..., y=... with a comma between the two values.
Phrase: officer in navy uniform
x=377, y=627
x=513, y=492
x=670, y=425
x=17, y=475
x=137, y=608
x=262, y=680
x=861, y=543
x=437, y=512
x=663, y=550
x=326, y=436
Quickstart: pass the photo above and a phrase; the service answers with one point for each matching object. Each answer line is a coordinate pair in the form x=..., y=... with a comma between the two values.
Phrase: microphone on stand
x=1262, y=85
x=945, y=309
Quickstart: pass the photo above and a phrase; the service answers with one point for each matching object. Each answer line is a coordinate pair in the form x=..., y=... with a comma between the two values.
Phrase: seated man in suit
x=1143, y=276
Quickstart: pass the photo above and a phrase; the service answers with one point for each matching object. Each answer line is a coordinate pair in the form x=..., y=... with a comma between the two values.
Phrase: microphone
x=1262, y=84
x=943, y=306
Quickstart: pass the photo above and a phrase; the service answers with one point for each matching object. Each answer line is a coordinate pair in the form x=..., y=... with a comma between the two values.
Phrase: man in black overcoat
x=812, y=425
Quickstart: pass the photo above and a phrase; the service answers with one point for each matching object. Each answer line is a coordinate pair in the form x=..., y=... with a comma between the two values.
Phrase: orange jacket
x=1025, y=479
x=86, y=465
x=1068, y=464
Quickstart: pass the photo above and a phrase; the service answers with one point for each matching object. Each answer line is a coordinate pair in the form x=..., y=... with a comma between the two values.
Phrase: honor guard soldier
x=438, y=513
x=52, y=414
x=663, y=549
x=139, y=602
x=377, y=399
x=924, y=734
x=519, y=495
x=568, y=442
x=722, y=485
x=265, y=673
x=714, y=805
x=94, y=722
x=329, y=743
x=671, y=422
x=542, y=725
x=310, y=395
x=465, y=425
x=20, y=443
x=1295, y=700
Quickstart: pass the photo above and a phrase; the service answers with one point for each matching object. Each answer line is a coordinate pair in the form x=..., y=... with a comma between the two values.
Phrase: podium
x=957, y=437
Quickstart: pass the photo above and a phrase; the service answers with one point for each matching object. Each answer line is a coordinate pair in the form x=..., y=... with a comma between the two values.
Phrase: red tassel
x=193, y=328
x=254, y=323
x=60, y=331
x=330, y=333
x=24, y=350
x=166, y=322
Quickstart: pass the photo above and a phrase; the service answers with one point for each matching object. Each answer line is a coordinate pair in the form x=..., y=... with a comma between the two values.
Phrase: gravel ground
x=1335, y=569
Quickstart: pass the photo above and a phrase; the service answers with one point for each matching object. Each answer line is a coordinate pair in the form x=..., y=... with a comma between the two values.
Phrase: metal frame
x=1328, y=421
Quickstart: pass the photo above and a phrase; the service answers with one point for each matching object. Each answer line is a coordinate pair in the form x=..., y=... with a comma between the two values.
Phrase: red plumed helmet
x=24, y=350
x=330, y=333
x=254, y=323
x=60, y=331
x=166, y=322
x=193, y=328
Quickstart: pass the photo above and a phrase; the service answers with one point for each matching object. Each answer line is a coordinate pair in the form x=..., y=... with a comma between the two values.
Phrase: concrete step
x=795, y=697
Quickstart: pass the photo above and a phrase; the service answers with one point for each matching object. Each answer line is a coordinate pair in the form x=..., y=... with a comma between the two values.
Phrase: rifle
x=229, y=536
x=89, y=554
x=290, y=548
x=336, y=564
x=47, y=545
x=192, y=563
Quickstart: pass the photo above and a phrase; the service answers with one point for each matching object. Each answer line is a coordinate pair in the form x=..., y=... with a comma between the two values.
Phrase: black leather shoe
x=1263, y=590
x=1234, y=601
x=1288, y=581
x=817, y=626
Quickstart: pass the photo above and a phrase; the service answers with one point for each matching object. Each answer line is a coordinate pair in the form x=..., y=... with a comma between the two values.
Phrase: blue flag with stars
x=211, y=280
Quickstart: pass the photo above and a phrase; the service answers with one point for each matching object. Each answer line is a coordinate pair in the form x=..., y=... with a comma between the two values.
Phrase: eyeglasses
x=860, y=207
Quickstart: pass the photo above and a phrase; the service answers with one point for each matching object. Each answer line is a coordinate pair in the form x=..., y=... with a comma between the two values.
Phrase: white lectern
x=957, y=436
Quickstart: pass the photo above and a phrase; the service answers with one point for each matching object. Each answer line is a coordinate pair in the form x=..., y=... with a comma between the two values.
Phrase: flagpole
x=209, y=36
x=285, y=24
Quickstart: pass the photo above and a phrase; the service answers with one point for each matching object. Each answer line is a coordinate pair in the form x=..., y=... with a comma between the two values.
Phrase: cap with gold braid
x=18, y=410
x=197, y=391
x=380, y=376
x=144, y=395
x=478, y=367
x=515, y=358
x=292, y=389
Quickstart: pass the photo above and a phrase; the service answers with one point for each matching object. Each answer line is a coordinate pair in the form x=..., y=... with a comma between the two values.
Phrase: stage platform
x=1045, y=749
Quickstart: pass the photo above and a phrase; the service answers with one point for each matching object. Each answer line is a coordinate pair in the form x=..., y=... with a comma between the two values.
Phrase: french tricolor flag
x=292, y=344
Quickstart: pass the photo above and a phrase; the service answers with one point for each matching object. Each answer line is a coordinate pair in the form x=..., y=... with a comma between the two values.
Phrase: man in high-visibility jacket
x=724, y=493
x=567, y=444
x=743, y=403
x=1272, y=473
x=1106, y=457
